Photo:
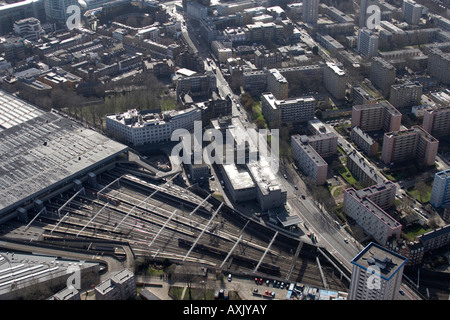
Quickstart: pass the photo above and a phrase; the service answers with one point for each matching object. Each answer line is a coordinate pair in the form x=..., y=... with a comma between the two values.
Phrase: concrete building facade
x=440, y=192
x=308, y=160
x=414, y=143
x=384, y=265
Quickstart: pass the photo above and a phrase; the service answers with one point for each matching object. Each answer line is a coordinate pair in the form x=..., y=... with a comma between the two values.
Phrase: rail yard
x=165, y=220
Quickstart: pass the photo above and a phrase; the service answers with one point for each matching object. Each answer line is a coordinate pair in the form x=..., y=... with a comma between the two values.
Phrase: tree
x=422, y=190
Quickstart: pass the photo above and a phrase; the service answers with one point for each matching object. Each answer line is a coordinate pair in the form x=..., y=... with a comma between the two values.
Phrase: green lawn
x=412, y=232
x=424, y=196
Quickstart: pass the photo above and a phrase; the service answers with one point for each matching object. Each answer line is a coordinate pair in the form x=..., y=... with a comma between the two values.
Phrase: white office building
x=138, y=128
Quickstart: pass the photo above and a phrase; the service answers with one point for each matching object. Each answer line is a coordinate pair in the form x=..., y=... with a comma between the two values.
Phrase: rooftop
x=239, y=177
x=388, y=262
x=45, y=151
x=14, y=111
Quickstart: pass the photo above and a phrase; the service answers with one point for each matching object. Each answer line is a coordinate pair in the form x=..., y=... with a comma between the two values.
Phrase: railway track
x=87, y=217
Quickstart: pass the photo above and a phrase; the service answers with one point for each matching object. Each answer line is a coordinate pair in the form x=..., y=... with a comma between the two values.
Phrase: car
x=296, y=188
x=282, y=285
x=346, y=240
x=303, y=197
x=267, y=282
x=256, y=280
x=260, y=281
x=285, y=176
x=255, y=290
x=273, y=294
x=401, y=292
x=274, y=283
x=229, y=277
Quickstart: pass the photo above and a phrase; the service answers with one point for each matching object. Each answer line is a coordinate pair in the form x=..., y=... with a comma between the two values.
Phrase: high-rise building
x=439, y=65
x=382, y=74
x=56, y=10
x=436, y=121
x=376, y=116
x=277, y=84
x=412, y=11
x=406, y=145
x=367, y=42
x=377, y=274
x=310, y=11
x=405, y=94
x=335, y=80
x=440, y=193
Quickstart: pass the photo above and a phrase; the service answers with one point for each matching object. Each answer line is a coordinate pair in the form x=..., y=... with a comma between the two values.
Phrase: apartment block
x=440, y=192
x=361, y=96
x=335, y=80
x=279, y=112
x=405, y=94
x=435, y=239
x=325, y=144
x=277, y=84
x=406, y=145
x=308, y=160
x=436, y=121
x=412, y=11
x=439, y=65
x=382, y=194
x=310, y=12
x=197, y=85
x=376, y=116
x=121, y=286
x=374, y=261
x=367, y=42
x=362, y=169
x=371, y=217
x=368, y=145
x=382, y=74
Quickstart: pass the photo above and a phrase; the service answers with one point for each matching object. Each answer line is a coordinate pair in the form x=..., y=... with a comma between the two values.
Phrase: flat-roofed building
x=335, y=80
x=382, y=194
x=412, y=11
x=436, y=121
x=376, y=263
x=45, y=154
x=67, y=294
x=325, y=143
x=280, y=112
x=139, y=128
x=440, y=192
x=435, y=239
x=361, y=96
x=414, y=143
x=371, y=217
x=376, y=116
x=277, y=84
x=406, y=94
x=362, y=169
x=308, y=160
x=270, y=193
x=364, y=141
x=239, y=183
x=23, y=274
x=121, y=286
x=382, y=74
x=367, y=42
x=315, y=126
